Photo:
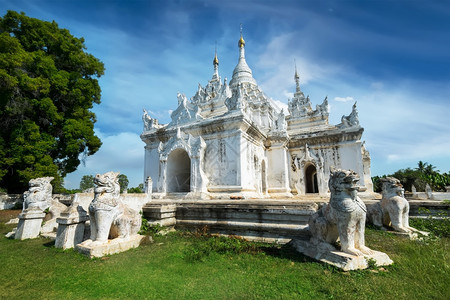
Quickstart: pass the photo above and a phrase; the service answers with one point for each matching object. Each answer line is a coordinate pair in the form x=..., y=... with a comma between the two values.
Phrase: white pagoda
x=230, y=139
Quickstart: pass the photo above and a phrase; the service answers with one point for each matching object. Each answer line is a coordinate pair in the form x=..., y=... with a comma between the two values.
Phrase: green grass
x=194, y=266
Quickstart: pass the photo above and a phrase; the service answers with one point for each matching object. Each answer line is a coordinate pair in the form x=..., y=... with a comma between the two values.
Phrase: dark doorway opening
x=311, y=179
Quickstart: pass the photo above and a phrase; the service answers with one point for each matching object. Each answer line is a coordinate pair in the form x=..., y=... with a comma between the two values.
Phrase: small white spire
x=297, y=78
x=216, y=76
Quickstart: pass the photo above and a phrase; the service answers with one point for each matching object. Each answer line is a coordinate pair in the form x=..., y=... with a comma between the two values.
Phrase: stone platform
x=259, y=219
x=342, y=260
x=94, y=249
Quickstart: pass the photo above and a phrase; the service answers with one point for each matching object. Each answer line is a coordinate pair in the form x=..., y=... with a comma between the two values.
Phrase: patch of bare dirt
x=8, y=214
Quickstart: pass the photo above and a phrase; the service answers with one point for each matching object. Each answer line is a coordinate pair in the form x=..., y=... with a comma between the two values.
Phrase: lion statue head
x=344, y=188
x=392, y=187
x=39, y=193
x=107, y=183
x=343, y=181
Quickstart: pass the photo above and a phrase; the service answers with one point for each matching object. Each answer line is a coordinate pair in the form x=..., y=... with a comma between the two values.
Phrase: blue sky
x=393, y=57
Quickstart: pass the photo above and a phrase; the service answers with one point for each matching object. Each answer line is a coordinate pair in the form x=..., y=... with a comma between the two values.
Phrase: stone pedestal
x=30, y=222
x=71, y=226
x=347, y=262
x=100, y=249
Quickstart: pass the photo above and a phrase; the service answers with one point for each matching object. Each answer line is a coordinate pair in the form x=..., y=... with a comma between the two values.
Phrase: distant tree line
x=87, y=182
x=424, y=174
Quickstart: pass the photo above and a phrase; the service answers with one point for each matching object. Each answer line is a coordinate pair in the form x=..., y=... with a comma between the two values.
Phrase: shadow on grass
x=49, y=244
x=286, y=251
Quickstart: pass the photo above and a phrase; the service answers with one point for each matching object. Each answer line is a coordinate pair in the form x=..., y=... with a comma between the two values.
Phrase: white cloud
x=288, y=95
x=281, y=106
x=343, y=99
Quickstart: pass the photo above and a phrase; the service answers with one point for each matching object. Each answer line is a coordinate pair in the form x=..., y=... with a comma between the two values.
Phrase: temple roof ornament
x=149, y=122
x=351, y=120
x=186, y=111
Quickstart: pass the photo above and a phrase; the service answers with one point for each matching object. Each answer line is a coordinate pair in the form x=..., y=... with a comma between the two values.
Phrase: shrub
x=149, y=229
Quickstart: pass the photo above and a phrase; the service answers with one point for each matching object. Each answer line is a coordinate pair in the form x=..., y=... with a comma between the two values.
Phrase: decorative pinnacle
x=241, y=42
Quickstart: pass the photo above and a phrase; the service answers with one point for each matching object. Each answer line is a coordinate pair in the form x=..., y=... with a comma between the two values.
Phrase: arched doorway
x=311, y=179
x=263, y=177
x=178, y=172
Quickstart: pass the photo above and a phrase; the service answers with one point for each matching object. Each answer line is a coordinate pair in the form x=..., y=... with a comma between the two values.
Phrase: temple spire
x=241, y=73
x=216, y=65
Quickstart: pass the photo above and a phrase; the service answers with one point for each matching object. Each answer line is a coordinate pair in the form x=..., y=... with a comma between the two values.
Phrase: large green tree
x=48, y=86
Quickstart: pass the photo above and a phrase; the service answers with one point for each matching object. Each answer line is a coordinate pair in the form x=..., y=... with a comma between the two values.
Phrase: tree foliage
x=48, y=87
x=123, y=182
x=138, y=190
x=87, y=182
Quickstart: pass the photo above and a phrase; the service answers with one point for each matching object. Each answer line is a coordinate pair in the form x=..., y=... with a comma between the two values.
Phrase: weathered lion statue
x=343, y=217
x=393, y=210
x=109, y=217
x=39, y=193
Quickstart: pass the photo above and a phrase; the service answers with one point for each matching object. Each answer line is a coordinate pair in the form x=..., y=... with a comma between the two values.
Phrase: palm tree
x=430, y=169
x=421, y=166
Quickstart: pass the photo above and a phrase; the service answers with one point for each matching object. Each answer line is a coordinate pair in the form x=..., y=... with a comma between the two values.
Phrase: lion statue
x=109, y=217
x=39, y=193
x=343, y=217
x=39, y=196
x=393, y=210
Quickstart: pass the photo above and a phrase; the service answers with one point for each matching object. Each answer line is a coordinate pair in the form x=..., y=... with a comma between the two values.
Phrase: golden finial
x=241, y=42
x=216, y=60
